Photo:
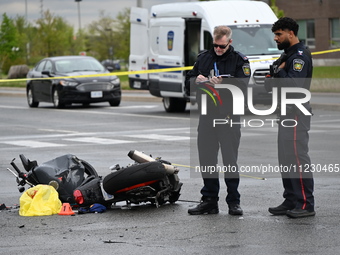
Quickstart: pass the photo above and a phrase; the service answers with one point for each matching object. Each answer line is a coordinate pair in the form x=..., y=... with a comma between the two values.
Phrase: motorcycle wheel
x=141, y=175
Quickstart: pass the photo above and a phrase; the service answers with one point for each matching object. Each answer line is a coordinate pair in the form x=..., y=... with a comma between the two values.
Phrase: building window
x=307, y=32
x=335, y=33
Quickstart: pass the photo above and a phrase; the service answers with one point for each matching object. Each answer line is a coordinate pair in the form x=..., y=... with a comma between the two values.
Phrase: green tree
x=279, y=13
x=22, y=32
x=9, y=46
x=110, y=38
x=100, y=37
x=54, y=36
x=121, y=35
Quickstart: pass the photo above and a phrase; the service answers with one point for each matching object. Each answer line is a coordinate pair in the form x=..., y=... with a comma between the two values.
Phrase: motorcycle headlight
x=68, y=83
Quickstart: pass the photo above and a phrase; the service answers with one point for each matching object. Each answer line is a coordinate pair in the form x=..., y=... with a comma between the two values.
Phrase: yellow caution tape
x=324, y=52
x=163, y=70
x=105, y=74
x=313, y=53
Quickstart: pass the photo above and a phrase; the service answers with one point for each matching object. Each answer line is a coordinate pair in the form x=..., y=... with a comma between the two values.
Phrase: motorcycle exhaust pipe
x=140, y=157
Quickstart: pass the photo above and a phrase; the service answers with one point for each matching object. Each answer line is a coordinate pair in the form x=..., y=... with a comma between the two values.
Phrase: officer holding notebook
x=219, y=65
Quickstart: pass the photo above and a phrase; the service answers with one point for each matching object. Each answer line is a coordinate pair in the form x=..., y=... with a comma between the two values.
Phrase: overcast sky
x=68, y=9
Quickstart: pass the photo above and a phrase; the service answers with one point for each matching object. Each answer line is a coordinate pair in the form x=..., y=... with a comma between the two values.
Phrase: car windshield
x=254, y=40
x=78, y=65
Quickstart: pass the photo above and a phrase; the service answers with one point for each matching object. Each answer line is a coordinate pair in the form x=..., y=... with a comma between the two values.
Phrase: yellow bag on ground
x=39, y=200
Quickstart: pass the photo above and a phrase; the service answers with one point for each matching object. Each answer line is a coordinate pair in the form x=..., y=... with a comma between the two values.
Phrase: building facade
x=319, y=24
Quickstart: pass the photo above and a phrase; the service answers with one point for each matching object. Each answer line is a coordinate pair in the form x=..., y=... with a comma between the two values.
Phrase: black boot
x=281, y=209
x=235, y=209
x=207, y=205
x=299, y=213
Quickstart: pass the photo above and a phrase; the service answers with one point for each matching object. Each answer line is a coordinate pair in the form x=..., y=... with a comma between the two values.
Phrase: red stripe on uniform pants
x=299, y=166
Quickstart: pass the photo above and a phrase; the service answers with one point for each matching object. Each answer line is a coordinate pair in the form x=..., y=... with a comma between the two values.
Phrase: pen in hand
x=216, y=70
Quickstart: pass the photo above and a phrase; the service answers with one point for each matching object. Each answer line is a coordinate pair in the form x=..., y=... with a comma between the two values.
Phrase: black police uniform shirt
x=297, y=71
x=231, y=63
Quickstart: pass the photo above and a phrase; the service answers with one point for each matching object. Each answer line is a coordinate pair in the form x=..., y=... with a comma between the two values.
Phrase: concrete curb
x=327, y=107
x=144, y=96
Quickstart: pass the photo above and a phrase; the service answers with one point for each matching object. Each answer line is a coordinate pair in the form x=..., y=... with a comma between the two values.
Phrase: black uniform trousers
x=295, y=163
x=210, y=139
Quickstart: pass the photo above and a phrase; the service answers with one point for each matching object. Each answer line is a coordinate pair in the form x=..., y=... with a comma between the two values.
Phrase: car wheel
x=30, y=98
x=172, y=104
x=55, y=99
x=114, y=102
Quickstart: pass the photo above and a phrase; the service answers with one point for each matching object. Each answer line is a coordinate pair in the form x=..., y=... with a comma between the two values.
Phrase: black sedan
x=71, y=79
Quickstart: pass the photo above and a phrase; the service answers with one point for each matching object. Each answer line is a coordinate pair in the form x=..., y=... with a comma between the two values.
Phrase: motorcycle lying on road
x=78, y=183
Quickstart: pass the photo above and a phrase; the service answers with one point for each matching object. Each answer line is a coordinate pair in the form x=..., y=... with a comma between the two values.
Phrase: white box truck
x=172, y=35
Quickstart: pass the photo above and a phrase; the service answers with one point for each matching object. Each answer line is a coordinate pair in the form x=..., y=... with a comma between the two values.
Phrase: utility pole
x=139, y=3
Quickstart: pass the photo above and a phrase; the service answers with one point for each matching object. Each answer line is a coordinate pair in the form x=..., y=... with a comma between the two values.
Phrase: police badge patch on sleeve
x=298, y=65
x=246, y=70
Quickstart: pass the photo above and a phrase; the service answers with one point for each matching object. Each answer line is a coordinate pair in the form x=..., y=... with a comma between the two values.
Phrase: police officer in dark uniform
x=293, y=69
x=214, y=67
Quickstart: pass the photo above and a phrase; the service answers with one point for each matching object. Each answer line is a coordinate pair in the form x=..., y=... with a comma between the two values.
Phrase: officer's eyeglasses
x=220, y=46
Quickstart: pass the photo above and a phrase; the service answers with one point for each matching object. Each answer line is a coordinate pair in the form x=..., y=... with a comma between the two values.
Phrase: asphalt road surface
x=103, y=136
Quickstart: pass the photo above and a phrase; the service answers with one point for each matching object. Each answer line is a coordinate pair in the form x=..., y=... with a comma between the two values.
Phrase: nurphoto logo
x=239, y=109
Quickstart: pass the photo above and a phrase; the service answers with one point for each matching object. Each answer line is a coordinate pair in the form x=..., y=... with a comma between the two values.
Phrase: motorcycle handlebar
x=20, y=174
x=20, y=177
x=140, y=157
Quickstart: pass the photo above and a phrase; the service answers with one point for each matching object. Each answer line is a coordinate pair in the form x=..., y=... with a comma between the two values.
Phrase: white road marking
x=138, y=107
x=33, y=144
x=160, y=137
x=97, y=140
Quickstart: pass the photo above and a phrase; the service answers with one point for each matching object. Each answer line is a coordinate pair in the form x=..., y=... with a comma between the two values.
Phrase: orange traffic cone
x=66, y=209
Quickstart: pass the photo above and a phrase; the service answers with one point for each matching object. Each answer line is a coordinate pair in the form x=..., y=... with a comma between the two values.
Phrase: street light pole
x=27, y=44
x=26, y=11
x=79, y=23
x=110, y=51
